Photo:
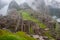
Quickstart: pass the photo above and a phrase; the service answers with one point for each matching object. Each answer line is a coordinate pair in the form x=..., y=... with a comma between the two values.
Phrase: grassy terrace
x=26, y=16
x=6, y=35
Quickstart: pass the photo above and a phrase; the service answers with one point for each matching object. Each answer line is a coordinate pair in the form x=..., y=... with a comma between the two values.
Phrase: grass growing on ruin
x=26, y=16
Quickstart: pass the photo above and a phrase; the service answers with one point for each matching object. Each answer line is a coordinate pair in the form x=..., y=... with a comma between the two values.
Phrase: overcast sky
x=18, y=1
x=49, y=1
x=21, y=1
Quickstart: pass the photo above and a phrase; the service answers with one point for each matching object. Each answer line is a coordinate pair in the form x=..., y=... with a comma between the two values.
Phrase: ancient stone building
x=12, y=13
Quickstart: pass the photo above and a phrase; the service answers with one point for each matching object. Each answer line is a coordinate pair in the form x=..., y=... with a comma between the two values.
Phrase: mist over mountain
x=54, y=11
x=55, y=4
x=54, y=8
x=37, y=5
x=2, y=4
x=24, y=6
x=13, y=5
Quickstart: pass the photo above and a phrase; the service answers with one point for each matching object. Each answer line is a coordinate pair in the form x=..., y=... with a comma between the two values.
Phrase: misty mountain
x=54, y=8
x=13, y=5
x=54, y=11
x=37, y=5
x=24, y=6
x=55, y=4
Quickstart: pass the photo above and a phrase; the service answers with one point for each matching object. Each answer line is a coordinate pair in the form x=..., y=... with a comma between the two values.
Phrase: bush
x=22, y=34
x=4, y=32
x=6, y=35
x=11, y=37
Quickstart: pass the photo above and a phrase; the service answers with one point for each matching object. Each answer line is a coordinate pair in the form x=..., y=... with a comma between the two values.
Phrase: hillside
x=29, y=22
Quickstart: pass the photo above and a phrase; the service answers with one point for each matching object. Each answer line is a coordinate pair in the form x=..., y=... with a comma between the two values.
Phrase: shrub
x=11, y=37
x=4, y=32
x=22, y=34
x=6, y=35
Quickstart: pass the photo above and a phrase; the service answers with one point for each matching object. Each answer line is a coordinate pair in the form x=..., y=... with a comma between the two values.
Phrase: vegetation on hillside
x=27, y=16
x=24, y=22
x=6, y=35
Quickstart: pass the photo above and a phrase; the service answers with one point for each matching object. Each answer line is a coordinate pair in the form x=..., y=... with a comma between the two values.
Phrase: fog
x=21, y=1
x=47, y=2
x=3, y=11
x=18, y=1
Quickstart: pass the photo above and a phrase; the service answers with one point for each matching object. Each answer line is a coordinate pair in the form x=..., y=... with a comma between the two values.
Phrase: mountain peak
x=24, y=6
x=13, y=5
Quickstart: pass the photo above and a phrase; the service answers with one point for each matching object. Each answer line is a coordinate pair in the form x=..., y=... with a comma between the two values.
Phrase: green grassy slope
x=26, y=16
x=6, y=35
